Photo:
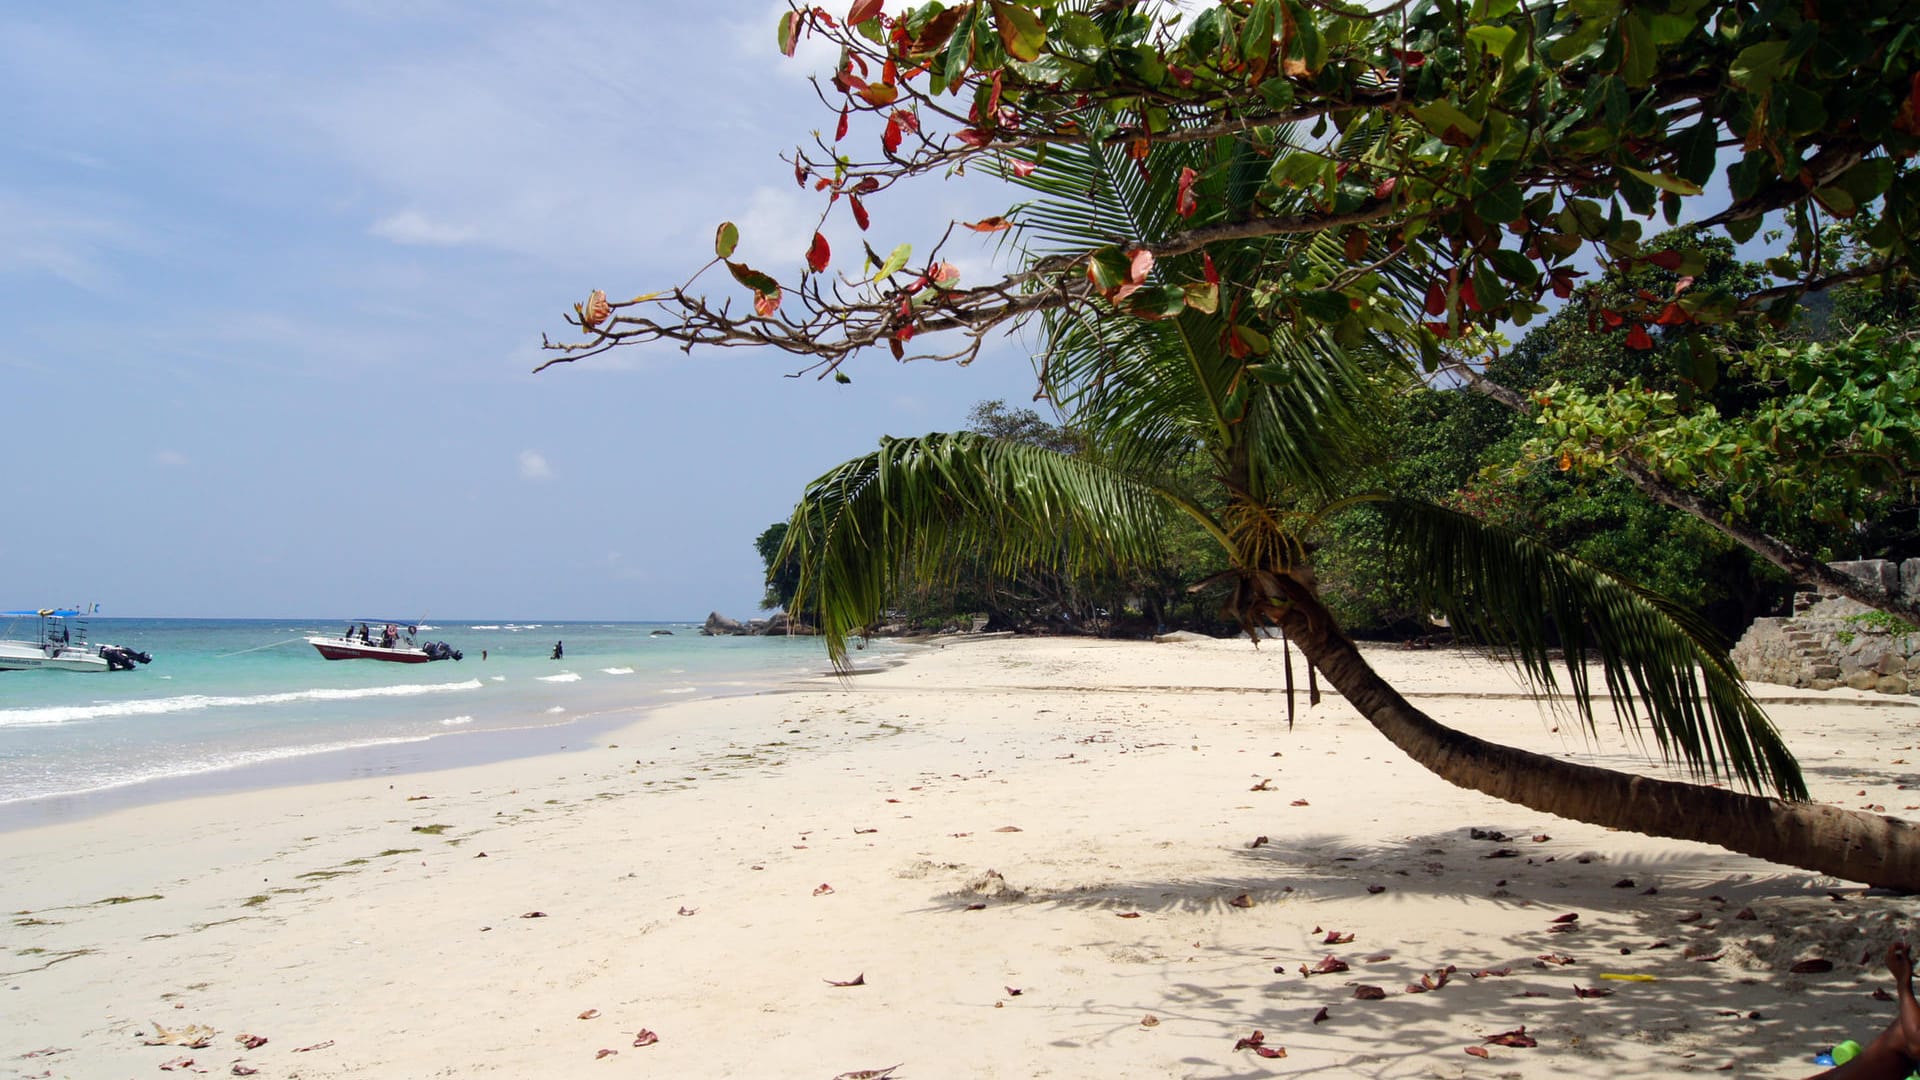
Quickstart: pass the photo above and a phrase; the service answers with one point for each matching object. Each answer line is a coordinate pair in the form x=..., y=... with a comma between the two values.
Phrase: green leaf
x=1499, y=203
x=725, y=239
x=1440, y=117
x=896, y=259
x=1638, y=58
x=1020, y=30
x=760, y=283
x=1665, y=183
x=1493, y=39
x=1758, y=65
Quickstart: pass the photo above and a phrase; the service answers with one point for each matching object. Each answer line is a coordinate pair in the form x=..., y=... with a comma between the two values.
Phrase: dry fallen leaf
x=1811, y=967
x=1332, y=965
x=1257, y=842
x=1003, y=828
x=243, y=1070
x=823, y=889
x=251, y=1042
x=1591, y=991
x=1494, y=973
x=1376, y=889
x=1517, y=1037
x=1478, y=1051
x=193, y=1036
x=1321, y=1015
x=1243, y=900
x=1369, y=993
x=1335, y=937
x=1299, y=802
x=1555, y=958
x=1379, y=958
x=1569, y=917
x=603, y=1052
x=868, y=1074
x=689, y=910
x=178, y=1063
x=1126, y=914
x=643, y=1037
x=534, y=915
x=1149, y=1020
x=315, y=1046
x=589, y=1014
x=857, y=980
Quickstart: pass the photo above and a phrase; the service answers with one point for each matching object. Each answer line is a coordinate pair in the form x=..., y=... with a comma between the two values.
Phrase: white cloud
x=413, y=227
x=170, y=458
x=533, y=465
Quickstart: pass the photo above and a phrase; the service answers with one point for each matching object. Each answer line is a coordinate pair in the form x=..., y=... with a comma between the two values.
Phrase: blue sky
x=273, y=279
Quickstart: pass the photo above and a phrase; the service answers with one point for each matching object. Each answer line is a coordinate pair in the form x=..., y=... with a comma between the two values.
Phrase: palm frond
x=911, y=505
x=1660, y=662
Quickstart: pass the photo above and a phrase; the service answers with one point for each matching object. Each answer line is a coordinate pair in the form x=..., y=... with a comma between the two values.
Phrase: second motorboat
x=393, y=642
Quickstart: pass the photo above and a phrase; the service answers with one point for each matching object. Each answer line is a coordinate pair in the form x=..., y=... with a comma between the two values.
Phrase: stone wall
x=1833, y=641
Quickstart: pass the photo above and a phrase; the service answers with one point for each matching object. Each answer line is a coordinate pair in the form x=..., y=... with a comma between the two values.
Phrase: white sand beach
x=1055, y=857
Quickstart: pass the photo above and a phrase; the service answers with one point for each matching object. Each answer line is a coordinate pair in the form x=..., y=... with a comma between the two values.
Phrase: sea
x=235, y=704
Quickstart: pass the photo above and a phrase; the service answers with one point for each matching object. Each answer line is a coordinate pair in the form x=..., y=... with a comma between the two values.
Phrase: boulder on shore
x=718, y=625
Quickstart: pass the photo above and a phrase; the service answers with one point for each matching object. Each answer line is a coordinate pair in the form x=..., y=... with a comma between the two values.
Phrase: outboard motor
x=439, y=650
x=119, y=658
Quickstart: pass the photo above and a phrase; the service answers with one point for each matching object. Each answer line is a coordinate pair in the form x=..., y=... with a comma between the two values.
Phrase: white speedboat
x=393, y=643
x=62, y=645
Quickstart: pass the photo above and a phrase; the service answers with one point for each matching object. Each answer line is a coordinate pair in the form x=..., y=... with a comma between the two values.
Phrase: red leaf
x=867, y=186
x=1571, y=916
x=859, y=212
x=1335, y=937
x=1467, y=296
x=890, y=138
x=1023, y=168
x=1610, y=318
x=1386, y=187
x=861, y=11
x=1271, y=1051
x=765, y=304
x=1665, y=260
x=643, y=1037
x=879, y=94
x=1673, y=315
x=1139, y=264
x=1478, y=1051
x=1517, y=1037
x=1212, y=275
x=1369, y=993
x=1411, y=57
x=973, y=137
x=1321, y=1015
x=1184, y=203
x=819, y=253
x=1437, y=298
x=1637, y=338
x=840, y=132
x=996, y=223
x=1443, y=331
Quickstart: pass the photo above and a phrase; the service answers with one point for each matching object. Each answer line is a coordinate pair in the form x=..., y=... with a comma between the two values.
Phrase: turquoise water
x=248, y=703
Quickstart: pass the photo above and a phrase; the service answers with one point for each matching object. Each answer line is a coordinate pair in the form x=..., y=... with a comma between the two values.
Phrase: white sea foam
x=66, y=714
x=456, y=721
x=216, y=763
x=558, y=709
x=565, y=676
x=497, y=678
x=681, y=690
x=617, y=670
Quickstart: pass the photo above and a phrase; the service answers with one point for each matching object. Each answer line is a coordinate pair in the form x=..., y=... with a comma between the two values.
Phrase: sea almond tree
x=1243, y=226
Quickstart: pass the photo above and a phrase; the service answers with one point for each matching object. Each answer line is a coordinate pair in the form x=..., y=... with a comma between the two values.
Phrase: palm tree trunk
x=1848, y=844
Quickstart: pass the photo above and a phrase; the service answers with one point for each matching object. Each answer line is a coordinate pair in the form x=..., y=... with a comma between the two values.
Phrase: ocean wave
x=617, y=670
x=201, y=766
x=681, y=690
x=485, y=626
x=557, y=709
x=456, y=721
x=565, y=676
x=67, y=714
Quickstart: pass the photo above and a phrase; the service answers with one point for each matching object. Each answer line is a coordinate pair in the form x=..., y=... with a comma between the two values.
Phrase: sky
x=273, y=280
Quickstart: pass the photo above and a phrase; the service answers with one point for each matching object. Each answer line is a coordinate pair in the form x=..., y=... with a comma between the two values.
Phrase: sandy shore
x=1036, y=858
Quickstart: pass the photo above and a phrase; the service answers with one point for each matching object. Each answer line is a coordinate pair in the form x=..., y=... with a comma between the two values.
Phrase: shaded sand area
x=1055, y=858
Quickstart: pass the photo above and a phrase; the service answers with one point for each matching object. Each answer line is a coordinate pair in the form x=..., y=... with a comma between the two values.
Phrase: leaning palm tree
x=1283, y=420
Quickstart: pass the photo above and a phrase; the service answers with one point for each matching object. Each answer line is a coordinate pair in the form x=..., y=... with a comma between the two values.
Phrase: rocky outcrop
x=718, y=625
x=1832, y=641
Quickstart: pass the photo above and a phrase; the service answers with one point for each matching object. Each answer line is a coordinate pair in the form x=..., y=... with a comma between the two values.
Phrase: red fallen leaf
x=1691, y=916
x=1517, y=1037
x=589, y=1014
x=1379, y=958
x=1571, y=916
x=1624, y=883
x=643, y=1037
x=1501, y=853
x=1815, y=966
x=857, y=980
x=1241, y=901
x=1008, y=828
x=1415, y=988
x=1591, y=991
x=823, y=889
x=1638, y=338
x=996, y=223
x=603, y=1052
x=243, y=1070
x=1562, y=928
x=859, y=212
x=176, y=1063
x=1271, y=1051
x=1493, y=973
x=251, y=1042
x=1881, y=995
x=1264, y=785
x=1437, y=978
x=1335, y=937
x=1257, y=842
x=976, y=907
x=315, y=1046
x=1541, y=838
x=1184, y=202
x=1296, y=802
x=1332, y=965
x=1376, y=889
x=1369, y=993
x=818, y=254
x=1555, y=958
x=863, y=832
x=1247, y=1042
x=1126, y=914
x=1478, y=1051
x=684, y=910
x=1321, y=1015
x=1014, y=991
x=1708, y=958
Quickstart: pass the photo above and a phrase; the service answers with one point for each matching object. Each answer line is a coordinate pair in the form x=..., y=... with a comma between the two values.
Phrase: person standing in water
x=559, y=649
